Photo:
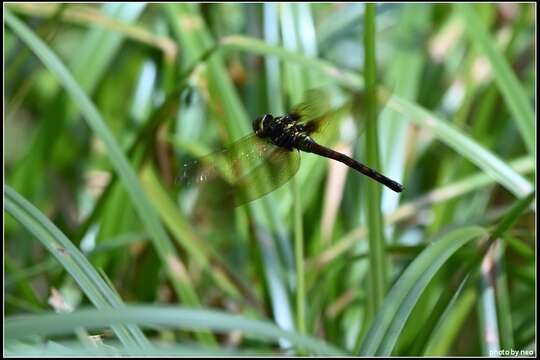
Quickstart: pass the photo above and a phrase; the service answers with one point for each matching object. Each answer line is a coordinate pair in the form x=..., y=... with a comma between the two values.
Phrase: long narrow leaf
x=400, y=301
x=71, y=259
x=464, y=145
x=513, y=93
x=378, y=261
x=169, y=317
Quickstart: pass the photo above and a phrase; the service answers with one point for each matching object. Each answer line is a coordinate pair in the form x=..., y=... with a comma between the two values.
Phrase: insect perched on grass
x=266, y=159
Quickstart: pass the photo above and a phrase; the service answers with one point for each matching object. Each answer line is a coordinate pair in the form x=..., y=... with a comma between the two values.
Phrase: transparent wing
x=317, y=113
x=316, y=110
x=316, y=103
x=279, y=166
x=242, y=172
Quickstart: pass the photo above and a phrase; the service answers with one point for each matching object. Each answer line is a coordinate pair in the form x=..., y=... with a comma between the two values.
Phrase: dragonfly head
x=261, y=125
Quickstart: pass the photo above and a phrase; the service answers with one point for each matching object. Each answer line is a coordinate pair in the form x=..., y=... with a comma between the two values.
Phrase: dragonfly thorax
x=284, y=131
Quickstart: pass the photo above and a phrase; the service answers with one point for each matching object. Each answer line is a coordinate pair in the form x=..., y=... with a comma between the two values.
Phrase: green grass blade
x=404, y=76
x=114, y=349
x=402, y=298
x=71, y=259
x=272, y=68
x=299, y=257
x=90, y=16
x=513, y=93
x=293, y=80
x=294, y=85
x=451, y=323
x=344, y=77
x=502, y=293
x=338, y=21
x=519, y=207
x=510, y=217
x=487, y=309
x=100, y=46
x=164, y=316
x=469, y=269
x=378, y=262
x=464, y=145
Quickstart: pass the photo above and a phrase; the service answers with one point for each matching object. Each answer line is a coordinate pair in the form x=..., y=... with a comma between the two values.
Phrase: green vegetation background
x=102, y=102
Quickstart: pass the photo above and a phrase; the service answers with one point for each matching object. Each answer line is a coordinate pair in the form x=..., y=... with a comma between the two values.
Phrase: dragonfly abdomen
x=309, y=145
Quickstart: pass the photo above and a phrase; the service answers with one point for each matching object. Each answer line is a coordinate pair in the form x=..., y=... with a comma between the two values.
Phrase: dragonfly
x=269, y=157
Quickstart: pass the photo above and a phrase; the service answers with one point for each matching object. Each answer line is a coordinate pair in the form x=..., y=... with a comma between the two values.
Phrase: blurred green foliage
x=103, y=102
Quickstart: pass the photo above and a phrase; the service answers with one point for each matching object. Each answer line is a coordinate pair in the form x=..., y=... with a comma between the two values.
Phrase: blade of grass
x=95, y=53
x=52, y=26
x=513, y=93
x=469, y=270
x=293, y=79
x=146, y=212
x=404, y=74
x=299, y=256
x=294, y=85
x=519, y=207
x=451, y=323
x=504, y=313
x=402, y=298
x=170, y=317
x=24, y=288
x=72, y=260
x=508, y=220
x=114, y=349
x=344, y=77
x=464, y=145
x=272, y=68
x=307, y=38
x=339, y=21
x=90, y=16
x=100, y=46
x=273, y=81
x=52, y=266
x=487, y=308
x=378, y=262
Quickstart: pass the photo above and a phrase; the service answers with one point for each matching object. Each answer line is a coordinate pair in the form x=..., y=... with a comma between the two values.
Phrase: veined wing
x=316, y=110
x=317, y=113
x=277, y=169
x=316, y=103
x=223, y=163
x=242, y=172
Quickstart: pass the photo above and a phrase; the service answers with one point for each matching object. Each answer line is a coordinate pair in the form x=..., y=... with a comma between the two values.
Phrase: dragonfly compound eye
x=261, y=124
